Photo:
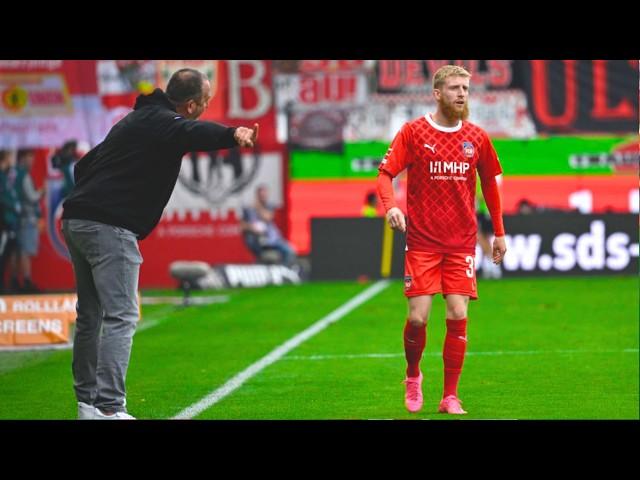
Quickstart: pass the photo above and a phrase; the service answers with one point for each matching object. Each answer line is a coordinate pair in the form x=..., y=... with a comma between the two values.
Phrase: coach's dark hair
x=184, y=85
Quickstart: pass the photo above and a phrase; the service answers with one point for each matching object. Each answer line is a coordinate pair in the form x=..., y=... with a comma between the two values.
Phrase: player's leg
x=455, y=346
x=415, y=332
x=422, y=281
x=459, y=285
x=415, y=339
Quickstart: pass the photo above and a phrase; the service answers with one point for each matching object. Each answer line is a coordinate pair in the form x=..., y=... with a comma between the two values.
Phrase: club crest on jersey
x=467, y=149
x=407, y=282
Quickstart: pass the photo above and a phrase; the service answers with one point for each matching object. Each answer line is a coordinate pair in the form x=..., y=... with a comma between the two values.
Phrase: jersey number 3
x=469, y=271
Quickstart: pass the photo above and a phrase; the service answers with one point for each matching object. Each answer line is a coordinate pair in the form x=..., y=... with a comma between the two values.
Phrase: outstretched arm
x=196, y=135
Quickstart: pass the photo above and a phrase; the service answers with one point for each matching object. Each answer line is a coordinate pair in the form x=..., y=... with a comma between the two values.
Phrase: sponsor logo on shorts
x=407, y=282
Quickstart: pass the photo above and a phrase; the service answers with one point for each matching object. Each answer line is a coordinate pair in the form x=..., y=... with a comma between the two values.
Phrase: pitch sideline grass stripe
x=195, y=300
x=506, y=352
x=279, y=352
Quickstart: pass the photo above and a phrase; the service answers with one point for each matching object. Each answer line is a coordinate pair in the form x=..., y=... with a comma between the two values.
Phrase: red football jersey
x=441, y=165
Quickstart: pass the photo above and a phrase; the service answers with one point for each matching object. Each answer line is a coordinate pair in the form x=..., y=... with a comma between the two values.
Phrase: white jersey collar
x=440, y=127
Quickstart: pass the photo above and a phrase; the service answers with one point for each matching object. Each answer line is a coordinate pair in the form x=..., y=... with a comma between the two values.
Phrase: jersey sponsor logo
x=459, y=168
x=467, y=149
x=432, y=148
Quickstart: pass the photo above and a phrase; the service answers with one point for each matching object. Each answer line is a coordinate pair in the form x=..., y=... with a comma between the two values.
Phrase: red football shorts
x=427, y=273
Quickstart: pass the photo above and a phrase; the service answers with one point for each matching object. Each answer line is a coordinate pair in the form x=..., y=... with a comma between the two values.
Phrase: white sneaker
x=85, y=411
x=115, y=416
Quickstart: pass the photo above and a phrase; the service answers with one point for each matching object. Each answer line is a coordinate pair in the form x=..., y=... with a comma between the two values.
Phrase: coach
x=122, y=187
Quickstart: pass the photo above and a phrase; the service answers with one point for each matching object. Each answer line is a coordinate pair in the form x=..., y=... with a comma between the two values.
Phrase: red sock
x=455, y=344
x=415, y=338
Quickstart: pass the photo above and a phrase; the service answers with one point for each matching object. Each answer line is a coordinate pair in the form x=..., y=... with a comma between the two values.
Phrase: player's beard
x=449, y=111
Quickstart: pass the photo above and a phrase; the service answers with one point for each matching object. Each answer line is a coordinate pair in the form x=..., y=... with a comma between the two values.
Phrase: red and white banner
x=45, y=103
x=586, y=194
x=58, y=100
x=200, y=222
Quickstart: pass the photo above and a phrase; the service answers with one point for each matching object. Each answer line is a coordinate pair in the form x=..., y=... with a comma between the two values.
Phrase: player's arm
x=393, y=163
x=394, y=215
x=488, y=168
x=491, y=195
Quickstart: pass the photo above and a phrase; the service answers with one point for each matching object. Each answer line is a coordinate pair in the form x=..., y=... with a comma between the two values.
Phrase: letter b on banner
x=249, y=96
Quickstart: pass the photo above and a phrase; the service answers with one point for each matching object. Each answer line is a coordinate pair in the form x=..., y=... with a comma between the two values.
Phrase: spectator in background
x=4, y=234
x=259, y=231
x=64, y=160
x=10, y=208
x=30, y=219
x=525, y=207
x=369, y=209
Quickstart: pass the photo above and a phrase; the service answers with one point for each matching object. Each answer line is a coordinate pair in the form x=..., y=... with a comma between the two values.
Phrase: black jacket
x=127, y=179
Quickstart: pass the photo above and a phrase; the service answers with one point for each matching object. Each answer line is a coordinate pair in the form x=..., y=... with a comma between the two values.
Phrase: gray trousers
x=106, y=261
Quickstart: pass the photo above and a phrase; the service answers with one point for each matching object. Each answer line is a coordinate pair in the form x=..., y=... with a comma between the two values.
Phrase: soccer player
x=442, y=153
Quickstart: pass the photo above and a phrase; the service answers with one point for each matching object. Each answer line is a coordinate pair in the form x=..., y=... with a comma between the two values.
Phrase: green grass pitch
x=564, y=348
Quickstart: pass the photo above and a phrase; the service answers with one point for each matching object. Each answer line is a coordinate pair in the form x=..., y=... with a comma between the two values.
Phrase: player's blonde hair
x=448, y=71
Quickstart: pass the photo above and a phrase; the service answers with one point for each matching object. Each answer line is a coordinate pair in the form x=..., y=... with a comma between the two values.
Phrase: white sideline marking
x=36, y=348
x=279, y=352
x=433, y=354
x=146, y=324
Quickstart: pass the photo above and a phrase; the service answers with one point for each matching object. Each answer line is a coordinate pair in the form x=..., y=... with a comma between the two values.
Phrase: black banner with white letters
x=538, y=244
x=571, y=244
